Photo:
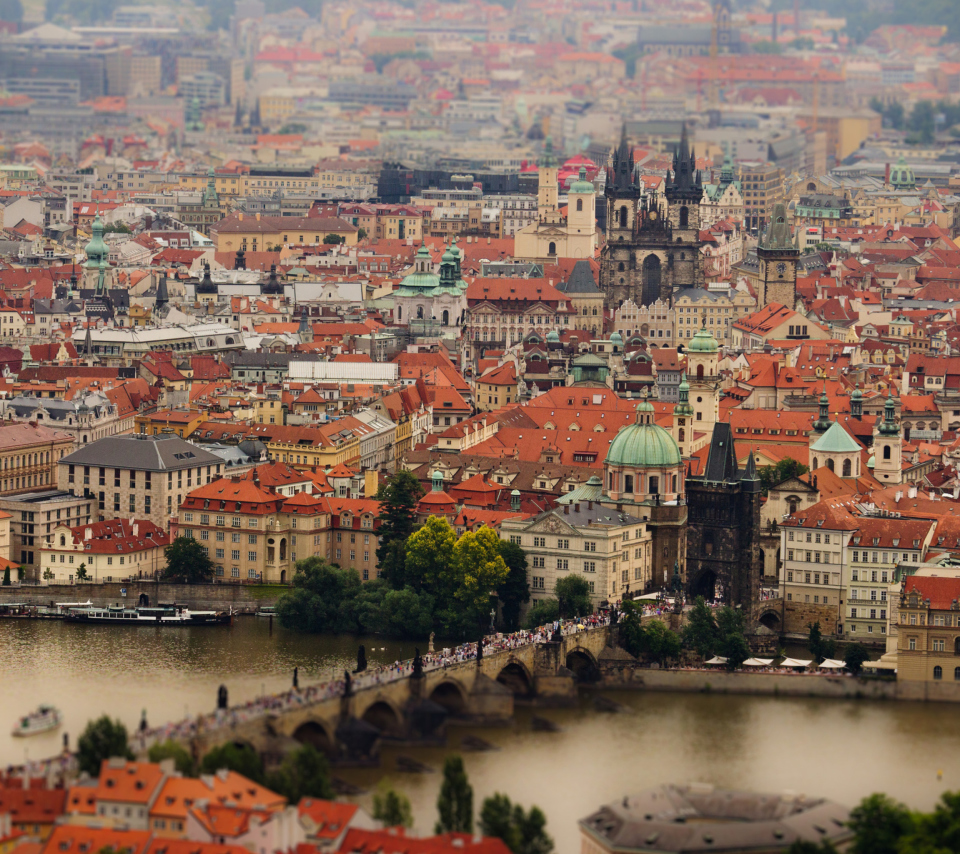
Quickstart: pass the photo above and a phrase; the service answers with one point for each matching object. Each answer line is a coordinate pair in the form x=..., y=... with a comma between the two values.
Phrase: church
x=652, y=250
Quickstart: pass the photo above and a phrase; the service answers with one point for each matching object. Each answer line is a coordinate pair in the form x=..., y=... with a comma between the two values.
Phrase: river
x=839, y=749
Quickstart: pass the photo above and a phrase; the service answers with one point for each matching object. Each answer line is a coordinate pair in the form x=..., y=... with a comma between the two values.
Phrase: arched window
x=684, y=217
x=419, y=312
x=682, y=434
x=830, y=465
x=792, y=504
x=445, y=317
x=699, y=372
x=816, y=463
x=938, y=672
x=654, y=485
x=956, y=674
x=579, y=204
x=623, y=216
x=552, y=248
x=846, y=468
x=628, y=483
x=620, y=267
x=63, y=540
x=399, y=312
x=886, y=452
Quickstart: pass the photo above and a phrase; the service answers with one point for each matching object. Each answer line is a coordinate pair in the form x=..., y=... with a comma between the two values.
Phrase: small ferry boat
x=163, y=615
x=44, y=719
x=266, y=611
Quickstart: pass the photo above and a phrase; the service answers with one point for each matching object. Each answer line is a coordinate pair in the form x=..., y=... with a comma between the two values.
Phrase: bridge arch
x=515, y=676
x=583, y=665
x=384, y=717
x=770, y=619
x=317, y=734
x=451, y=696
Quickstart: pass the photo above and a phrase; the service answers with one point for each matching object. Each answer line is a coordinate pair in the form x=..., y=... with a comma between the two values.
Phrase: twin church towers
x=653, y=246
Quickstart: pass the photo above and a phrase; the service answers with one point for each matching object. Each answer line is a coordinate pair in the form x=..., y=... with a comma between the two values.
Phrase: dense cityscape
x=518, y=427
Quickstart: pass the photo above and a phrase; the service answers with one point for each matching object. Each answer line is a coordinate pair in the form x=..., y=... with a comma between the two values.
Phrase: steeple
x=273, y=286
x=889, y=426
x=683, y=406
x=88, y=342
x=856, y=402
x=750, y=479
x=686, y=180
x=777, y=237
x=623, y=166
x=163, y=297
x=822, y=424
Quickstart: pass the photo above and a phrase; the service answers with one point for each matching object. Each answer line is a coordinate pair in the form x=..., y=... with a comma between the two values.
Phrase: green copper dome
x=835, y=441
x=643, y=444
x=616, y=338
x=582, y=185
x=857, y=394
x=902, y=177
x=96, y=248
x=703, y=342
x=553, y=337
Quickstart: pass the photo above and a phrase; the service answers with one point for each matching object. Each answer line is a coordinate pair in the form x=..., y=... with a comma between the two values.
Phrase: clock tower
x=778, y=255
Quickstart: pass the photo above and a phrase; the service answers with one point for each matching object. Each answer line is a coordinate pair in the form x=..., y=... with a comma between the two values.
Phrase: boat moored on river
x=44, y=719
x=163, y=615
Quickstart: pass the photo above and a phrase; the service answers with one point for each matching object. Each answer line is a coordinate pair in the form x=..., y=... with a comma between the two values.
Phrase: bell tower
x=703, y=368
x=778, y=255
x=888, y=446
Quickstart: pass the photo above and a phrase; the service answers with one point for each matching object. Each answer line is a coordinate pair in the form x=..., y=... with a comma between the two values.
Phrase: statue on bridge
x=430, y=645
x=361, y=659
x=480, y=650
x=222, y=698
x=417, y=664
x=347, y=684
x=296, y=678
x=557, y=636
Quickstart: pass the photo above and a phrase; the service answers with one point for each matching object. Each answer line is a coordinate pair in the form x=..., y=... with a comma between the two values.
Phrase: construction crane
x=713, y=56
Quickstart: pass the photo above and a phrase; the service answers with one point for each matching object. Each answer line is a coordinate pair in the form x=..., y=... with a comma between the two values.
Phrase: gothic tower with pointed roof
x=652, y=248
x=724, y=560
x=778, y=255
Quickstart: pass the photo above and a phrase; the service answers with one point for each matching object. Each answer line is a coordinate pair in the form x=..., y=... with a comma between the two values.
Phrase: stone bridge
x=416, y=710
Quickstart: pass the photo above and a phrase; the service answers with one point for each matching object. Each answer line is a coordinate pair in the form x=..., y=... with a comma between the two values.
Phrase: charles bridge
x=401, y=707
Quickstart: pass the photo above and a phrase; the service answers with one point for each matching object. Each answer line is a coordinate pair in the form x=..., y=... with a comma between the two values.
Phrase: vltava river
x=839, y=749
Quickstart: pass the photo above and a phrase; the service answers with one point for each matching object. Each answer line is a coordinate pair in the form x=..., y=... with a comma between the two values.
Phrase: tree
x=323, y=599
x=234, y=757
x=304, y=773
x=935, y=832
x=293, y=128
x=631, y=628
x=801, y=846
x=522, y=832
x=361, y=234
x=771, y=476
x=819, y=646
x=479, y=569
x=700, y=632
x=878, y=824
x=48, y=574
x=573, y=593
x=767, y=47
x=6, y=577
x=82, y=572
x=187, y=562
x=543, y=613
x=659, y=642
x=334, y=239
x=514, y=592
x=397, y=520
x=21, y=573
x=455, y=801
x=102, y=739
x=391, y=807
x=182, y=760
x=731, y=640
x=429, y=558
x=854, y=656
x=117, y=228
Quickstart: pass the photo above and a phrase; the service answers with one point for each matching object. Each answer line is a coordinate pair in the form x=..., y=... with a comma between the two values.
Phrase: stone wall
x=797, y=616
x=220, y=597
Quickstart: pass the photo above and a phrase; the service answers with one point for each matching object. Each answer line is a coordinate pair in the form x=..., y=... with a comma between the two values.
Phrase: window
x=219, y=553
x=563, y=544
x=938, y=672
x=589, y=566
x=539, y=542
x=562, y=564
x=539, y=562
x=589, y=546
x=539, y=582
x=938, y=645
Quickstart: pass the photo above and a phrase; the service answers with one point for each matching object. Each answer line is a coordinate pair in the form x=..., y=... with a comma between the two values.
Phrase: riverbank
x=241, y=598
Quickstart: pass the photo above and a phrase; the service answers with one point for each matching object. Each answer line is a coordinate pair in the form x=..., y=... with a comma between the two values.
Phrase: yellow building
x=257, y=233
x=115, y=549
x=555, y=234
x=181, y=422
x=497, y=388
x=928, y=630
x=845, y=129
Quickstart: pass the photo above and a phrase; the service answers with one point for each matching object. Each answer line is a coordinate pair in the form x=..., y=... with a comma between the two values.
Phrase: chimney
x=886, y=174
x=136, y=530
x=88, y=534
x=566, y=509
x=576, y=507
x=258, y=217
x=240, y=216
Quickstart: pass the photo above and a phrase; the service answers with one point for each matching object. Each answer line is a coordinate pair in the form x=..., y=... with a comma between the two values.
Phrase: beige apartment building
x=120, y=548
x=29, y=455
x=137, y=476
x=610, y=549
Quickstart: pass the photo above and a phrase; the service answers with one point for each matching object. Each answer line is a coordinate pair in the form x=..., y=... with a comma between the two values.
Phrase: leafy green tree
x=304, y=773
x=102, y=739
x=767, y=47
x=700, y=632
x=21, y=573
x=801, y=846
x=48, y=574
x=878, y=824
x=407, y=614
x=429, y=563
x=631, y=628
x=455, y=801
x=6, y=577
x=334, y=239
x=182, y=760
x=935, y=832
x=543, y=613
x=323, y=598
x=234, y=757
x=82, y=572
x=854, y=656
x=391, y=807
x=293, y=128
x=785, y=469
x=361, y=234
x=522, y=832
x=819, y=646
x=660, y=642
x=514, y=592
x=922, y=123
x=117, y=228
x=573, y=593
x=187, y=562
x=479, y=568
x=731, y=638
x=397, y=519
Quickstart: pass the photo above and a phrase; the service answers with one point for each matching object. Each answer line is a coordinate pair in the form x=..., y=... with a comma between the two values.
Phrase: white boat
x=266, y=611
x=44, y=719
